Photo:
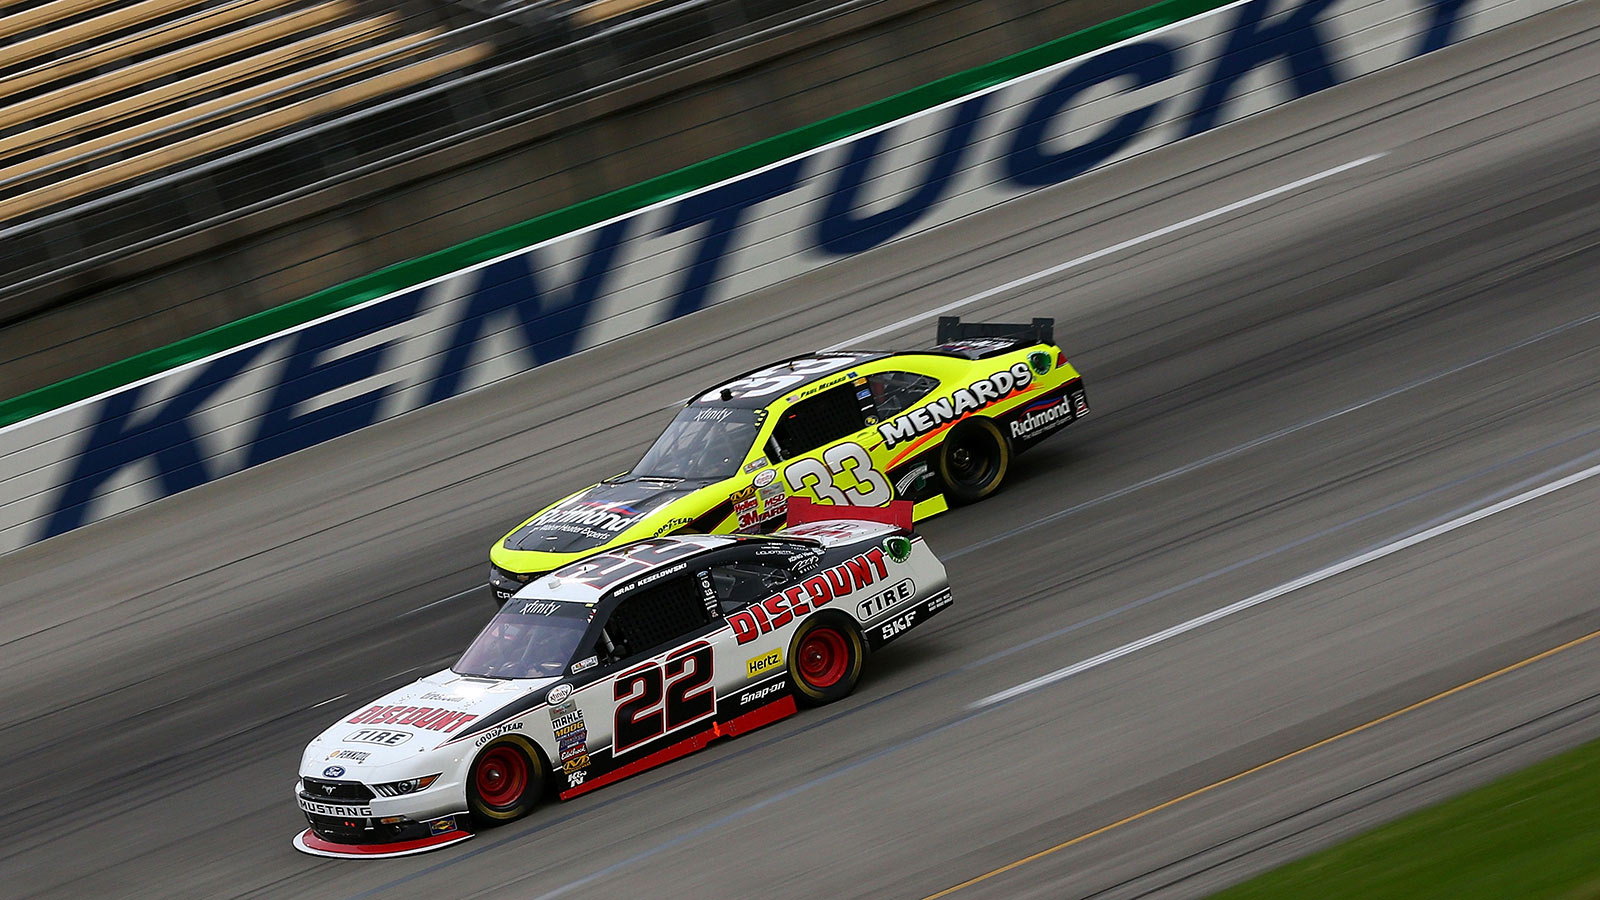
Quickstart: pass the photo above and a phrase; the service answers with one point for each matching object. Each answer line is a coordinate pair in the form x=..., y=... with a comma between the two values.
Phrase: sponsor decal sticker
x=754, y=464
x=442, y=826
x=377, y=736
x=756, y=696
x=559, y=694
x=497, y=731
x=883, y=600
x=898, y=547
x=333, y=772
x=894, y=626
x=582, y=665
x=911, y=480
x=766, y=662
x=1039, y=362
x=355, y=756
x=765, y=478
x=429, y=717
x=789, y=605
x=937, y=413
x=576, y=764
x=1042, y=416
x=539, y=608
x=576, y=778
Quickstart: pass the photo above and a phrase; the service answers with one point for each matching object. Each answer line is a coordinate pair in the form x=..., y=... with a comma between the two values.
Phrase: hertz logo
x=754, y=667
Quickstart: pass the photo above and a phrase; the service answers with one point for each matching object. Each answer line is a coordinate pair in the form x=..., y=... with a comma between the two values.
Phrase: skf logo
x=855, y=574
x=754, y=667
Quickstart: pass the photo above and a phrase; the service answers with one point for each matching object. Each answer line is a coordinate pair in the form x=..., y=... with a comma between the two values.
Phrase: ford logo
x=333, y=771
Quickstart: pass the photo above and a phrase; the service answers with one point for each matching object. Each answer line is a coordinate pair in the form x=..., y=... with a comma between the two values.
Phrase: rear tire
x=973, y=460
x=504, y=783
x=825, y=660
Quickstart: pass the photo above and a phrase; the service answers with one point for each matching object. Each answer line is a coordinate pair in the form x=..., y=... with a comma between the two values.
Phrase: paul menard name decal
x=934, y=413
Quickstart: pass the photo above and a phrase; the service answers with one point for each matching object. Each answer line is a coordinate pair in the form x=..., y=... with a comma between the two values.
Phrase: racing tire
x=973, y=460
x=825, y=660
x=504, y=782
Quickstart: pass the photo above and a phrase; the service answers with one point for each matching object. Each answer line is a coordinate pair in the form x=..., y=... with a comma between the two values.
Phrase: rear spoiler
x=952, y=331
x=803, y=510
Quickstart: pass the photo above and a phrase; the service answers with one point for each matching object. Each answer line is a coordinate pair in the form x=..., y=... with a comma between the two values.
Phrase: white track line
x=1323, y=574
x=1058, y=268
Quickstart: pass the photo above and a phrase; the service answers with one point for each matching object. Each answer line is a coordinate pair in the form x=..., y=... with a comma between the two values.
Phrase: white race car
x=613, y=665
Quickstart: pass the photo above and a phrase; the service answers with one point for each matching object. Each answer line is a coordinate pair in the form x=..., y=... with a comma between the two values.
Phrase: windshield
x=527, y=639
x=702, y=442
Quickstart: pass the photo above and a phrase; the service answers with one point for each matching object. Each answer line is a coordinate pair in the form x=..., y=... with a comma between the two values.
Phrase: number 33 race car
x=607, y=667
x=934, y=427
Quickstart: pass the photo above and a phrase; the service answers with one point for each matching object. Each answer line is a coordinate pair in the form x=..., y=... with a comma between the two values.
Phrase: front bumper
x=345, y=824
x=504, y=583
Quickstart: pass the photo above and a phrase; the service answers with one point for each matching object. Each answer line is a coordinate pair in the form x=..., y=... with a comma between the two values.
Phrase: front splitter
x=309, y=842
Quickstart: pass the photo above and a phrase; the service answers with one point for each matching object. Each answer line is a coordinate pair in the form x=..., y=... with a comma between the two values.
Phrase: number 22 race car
x=934, y=427
x=610, y=666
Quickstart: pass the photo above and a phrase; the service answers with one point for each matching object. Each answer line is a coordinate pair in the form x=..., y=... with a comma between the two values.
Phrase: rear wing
x=804, y=510
x=979, y=340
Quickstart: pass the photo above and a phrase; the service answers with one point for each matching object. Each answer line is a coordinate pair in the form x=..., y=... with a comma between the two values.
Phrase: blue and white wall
x=260, y=401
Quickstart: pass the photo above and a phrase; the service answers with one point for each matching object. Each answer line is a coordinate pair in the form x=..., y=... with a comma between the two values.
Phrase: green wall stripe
x=606, y=206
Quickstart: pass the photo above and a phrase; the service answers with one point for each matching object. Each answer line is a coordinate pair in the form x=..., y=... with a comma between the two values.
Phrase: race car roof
x=586, y=580
x=819, y=365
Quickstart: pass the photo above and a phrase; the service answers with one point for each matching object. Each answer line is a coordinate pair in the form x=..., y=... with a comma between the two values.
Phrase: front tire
x=973, y=460
x=825, y=660
x=504, y=783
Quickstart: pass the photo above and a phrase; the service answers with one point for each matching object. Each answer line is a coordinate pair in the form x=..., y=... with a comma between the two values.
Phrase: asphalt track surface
x=1306, y=378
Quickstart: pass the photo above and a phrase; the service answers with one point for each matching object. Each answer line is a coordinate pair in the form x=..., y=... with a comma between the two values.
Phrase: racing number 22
x=684, y=678
x=839, y=459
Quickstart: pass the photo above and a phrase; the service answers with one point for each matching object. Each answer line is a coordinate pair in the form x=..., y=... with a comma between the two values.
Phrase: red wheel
x=501, y=776
x=504, y=783
x=825, y=660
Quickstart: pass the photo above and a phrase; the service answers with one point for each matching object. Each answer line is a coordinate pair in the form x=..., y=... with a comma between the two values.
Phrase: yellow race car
x=936, y=427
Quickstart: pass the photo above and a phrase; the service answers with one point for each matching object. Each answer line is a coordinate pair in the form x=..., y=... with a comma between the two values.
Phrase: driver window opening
x=827, y=417
x=653, y=616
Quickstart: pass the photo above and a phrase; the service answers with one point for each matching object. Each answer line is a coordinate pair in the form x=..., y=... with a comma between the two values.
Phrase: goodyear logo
x=764, y=663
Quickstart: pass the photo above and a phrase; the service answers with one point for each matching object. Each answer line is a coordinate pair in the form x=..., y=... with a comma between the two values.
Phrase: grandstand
x=125, y=123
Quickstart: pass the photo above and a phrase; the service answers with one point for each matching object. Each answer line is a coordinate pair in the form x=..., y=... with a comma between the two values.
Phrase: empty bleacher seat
x=95, y=93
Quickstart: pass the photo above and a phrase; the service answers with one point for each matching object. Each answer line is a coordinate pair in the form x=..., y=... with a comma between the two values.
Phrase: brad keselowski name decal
x=974, y=396
x=428, y=717
x=817, y=591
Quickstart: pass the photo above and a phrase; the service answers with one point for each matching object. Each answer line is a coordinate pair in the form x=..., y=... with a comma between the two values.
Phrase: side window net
x=656, y=615
x=823, y=419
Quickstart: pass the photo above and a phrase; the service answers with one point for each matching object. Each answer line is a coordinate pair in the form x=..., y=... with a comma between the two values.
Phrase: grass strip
x=1532, y=834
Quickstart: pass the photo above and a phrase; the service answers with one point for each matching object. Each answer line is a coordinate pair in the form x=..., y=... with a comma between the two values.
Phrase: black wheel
x=825, y=660
x=973, y=460
x=504, y=783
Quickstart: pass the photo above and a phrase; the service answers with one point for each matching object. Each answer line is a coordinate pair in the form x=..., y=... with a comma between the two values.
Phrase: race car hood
x=598, y=515
x=386, y=738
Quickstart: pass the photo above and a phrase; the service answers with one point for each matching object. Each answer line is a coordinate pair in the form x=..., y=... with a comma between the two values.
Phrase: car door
x=657, y=641
x=820, y=445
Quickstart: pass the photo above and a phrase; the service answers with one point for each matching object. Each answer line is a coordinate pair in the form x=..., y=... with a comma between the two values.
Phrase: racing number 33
x=641, y=714
x=818, y=474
